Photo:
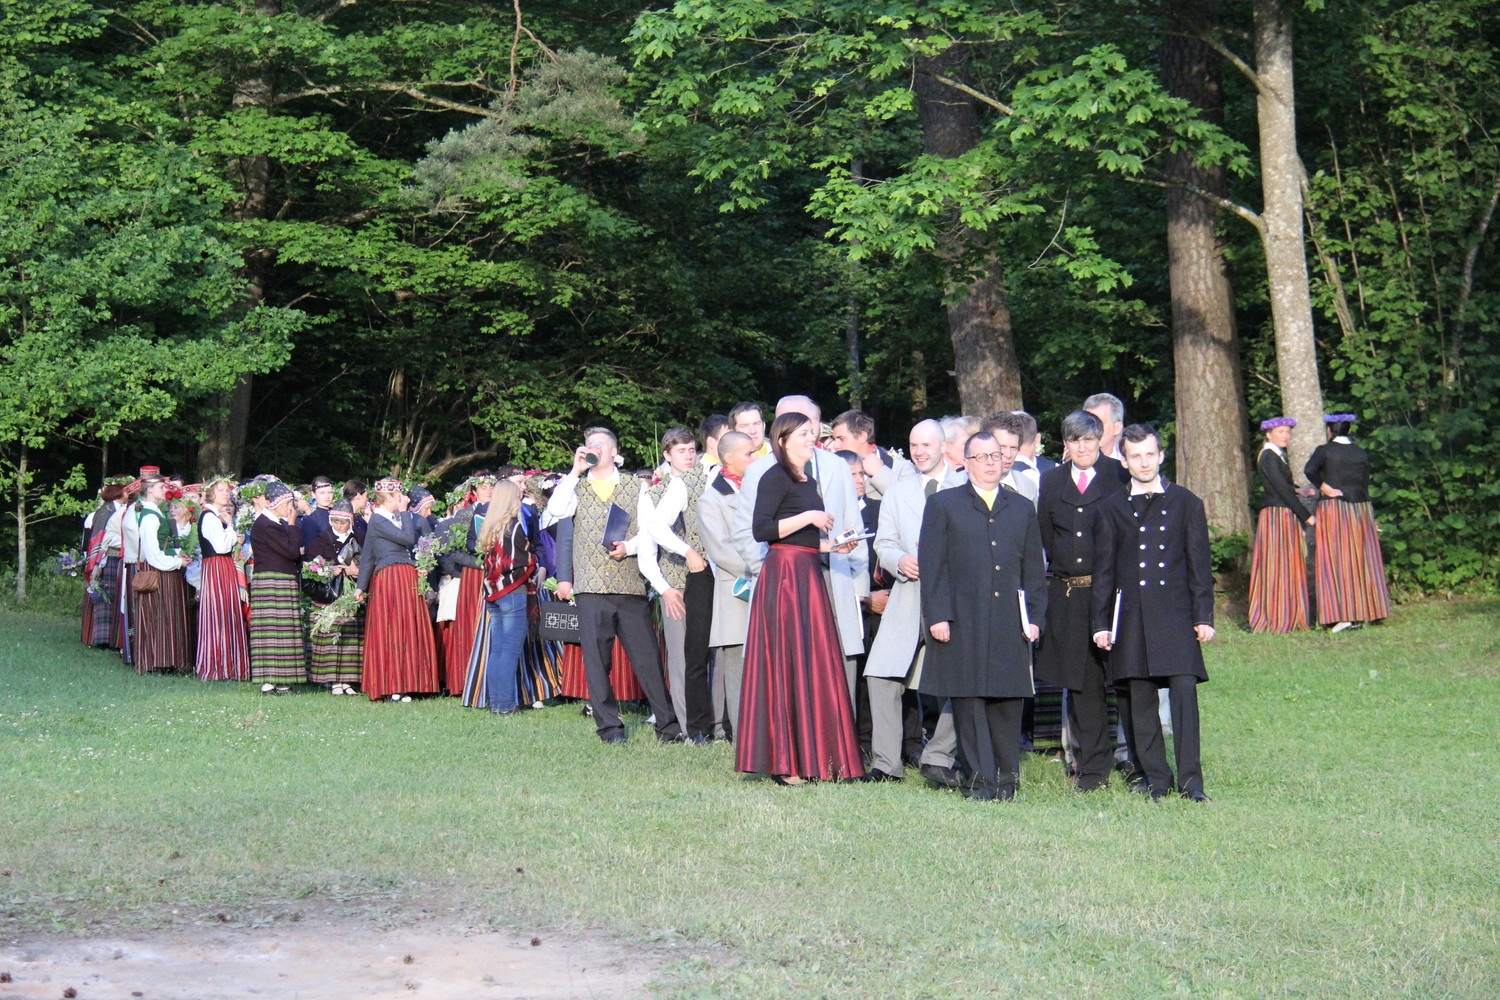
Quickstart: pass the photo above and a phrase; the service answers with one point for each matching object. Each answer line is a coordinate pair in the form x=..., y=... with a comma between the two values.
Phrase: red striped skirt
x=223, y=640
x=1278, y=573
x=458, y=643
x=1350, y=569
x=163, y=638
x=400, y=657
x=622, y=678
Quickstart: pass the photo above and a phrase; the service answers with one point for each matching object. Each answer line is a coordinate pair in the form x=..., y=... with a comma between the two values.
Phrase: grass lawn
x=1352, y=848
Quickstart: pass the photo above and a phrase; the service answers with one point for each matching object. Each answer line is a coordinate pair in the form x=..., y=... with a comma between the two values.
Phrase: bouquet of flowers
x=327, y=619
x=430, y=547
x=70, y=562
x=244, y=518
x=322, y=580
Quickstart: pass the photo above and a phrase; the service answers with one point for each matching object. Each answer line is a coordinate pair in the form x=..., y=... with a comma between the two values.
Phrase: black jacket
x=1344, y=467
x=1276, y=477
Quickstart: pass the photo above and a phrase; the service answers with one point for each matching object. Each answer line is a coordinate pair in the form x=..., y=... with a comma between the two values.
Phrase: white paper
x=1114, y=628
x=1025, y=618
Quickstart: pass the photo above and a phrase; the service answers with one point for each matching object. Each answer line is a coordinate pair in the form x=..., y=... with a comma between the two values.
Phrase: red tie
x=1083, y=481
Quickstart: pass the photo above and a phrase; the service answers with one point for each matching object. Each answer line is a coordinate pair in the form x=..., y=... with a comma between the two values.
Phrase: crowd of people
x=836, y=609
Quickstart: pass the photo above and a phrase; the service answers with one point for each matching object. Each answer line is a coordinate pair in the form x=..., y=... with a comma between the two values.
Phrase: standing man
x=1068, y=514
x=746, y=418
x=688, y=614
x=981, y=562
x=854, y=431
x=956, y=431
x=1111, y=413
x=1006, y=428
x=311, y=526
x=1152, y=561
x=716, y=513
x=1028, y=463
x=894, y=654
x=606, y=580
x=710, y=429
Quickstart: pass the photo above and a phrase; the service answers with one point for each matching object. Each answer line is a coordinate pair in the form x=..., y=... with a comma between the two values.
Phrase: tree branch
x=410, y=90
x=1163, y=181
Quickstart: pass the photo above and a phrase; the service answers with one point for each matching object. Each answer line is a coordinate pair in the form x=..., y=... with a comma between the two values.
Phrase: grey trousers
x=887, y=725
x=942, y=748
x=729, y=676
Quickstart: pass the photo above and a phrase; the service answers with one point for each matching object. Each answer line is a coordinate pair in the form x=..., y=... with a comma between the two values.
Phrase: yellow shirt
x=762, y=451
x=988, y=496
x=604, y=488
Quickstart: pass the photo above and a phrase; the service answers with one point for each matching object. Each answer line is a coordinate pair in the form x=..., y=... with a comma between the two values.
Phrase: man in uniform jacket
x=1071, y=497
x=981, y=562
x=1152, y=558
x=716, y=511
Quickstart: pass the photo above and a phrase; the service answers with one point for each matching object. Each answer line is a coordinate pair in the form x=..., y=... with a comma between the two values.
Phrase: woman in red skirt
x=459, y=643
x=796, y=721
x=223, y=640
x=1350, y=568
x=1278, y=565
x=400, y=656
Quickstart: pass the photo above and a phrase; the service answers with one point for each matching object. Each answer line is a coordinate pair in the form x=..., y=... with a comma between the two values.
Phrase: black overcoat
x=1066, y=519
x=974, y=560
x=1159, y=562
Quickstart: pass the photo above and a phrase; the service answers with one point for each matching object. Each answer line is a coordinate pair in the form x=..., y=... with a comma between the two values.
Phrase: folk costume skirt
x=400, y=656
x=276, y=652
x=541, y=660
x=1278, y=573
x=163, y=638
x=338, y=657
x=795, y=714
x=574, y=683
x=1350, y=568
x=223, y=640
x=106, y=632
x=459, y=639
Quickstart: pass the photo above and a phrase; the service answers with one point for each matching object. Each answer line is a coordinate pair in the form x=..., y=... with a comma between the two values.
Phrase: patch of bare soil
x=329, y=957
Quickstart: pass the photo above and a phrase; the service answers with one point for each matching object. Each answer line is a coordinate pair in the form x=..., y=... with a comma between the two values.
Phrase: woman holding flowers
x=163, y=638
x=223, y=641
x=459, y=644
x=338, y=647
x=508, y=568
x=400, y=658
x=277, y=658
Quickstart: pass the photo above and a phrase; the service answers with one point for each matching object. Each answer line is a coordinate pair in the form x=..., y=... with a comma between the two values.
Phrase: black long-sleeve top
x=277, y=546
x=1344, y=467
x=780, y=496
x=1276, y=477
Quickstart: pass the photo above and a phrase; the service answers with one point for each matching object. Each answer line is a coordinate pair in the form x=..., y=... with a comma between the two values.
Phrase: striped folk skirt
x=400, y=657
x=223, y=640
x=458, y=642
x=1278, y=573
x=163, y=638
x=338, y=656
x=1350, y=569
x=107, y=611
x=276, y=654
x=541, y=660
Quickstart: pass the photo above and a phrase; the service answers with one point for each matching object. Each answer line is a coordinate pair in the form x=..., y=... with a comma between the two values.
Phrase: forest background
x=420, y=237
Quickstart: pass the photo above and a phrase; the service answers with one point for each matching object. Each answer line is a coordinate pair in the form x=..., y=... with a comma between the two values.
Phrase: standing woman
x=1278, y=566
x=400, y=657
x=338, y=656
x=104, y=578
x=462, y=635
x=164, y=640
x=276, y=654
x=223, y=640
x=796, y=720
x=494, y=666
x=1350, y=569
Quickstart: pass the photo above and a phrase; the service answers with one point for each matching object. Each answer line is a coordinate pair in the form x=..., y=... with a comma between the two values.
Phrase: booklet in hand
x=851, y=535
x=616, y=526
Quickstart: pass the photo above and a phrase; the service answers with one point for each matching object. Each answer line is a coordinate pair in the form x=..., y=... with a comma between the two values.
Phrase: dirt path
x=326, y=959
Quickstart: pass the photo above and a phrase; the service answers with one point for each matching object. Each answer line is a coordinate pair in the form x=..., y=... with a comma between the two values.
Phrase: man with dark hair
x=854, y=432
x=1068, y=511
x=746, y=418
x=358, y=495
x=1029, y=465
x=603, y=569
x=313, y=523
x=1006, y=428
x=710, y=429
x=983, y=591
x=1153, y=608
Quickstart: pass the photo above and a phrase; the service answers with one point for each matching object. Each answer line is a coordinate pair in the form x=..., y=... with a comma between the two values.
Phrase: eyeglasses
x=993, y=456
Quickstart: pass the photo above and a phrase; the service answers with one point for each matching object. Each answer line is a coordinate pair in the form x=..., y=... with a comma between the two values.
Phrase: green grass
x=1352, y=848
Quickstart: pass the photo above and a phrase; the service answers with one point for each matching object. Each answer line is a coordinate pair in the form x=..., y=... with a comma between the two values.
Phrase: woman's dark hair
x=781, y=429
x=112, y=492
x=1338, y=428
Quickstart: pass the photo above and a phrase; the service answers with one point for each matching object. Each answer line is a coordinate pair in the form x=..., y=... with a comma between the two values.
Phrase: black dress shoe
x=612, y=737
x=876, y=774
x=1092, y=783
x=1196, y=795
x=943, y=777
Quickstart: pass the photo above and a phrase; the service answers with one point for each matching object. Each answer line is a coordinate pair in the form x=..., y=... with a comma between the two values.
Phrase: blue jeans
x=505, y=624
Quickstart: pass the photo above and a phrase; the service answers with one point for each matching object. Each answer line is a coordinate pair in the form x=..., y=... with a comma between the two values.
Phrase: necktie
x=1083, y=481
x=931, y=487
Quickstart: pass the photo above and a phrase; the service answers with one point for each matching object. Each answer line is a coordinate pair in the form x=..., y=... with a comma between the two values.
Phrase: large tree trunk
x=984, y=349
x=223, y=450
x=21, y=554
x=1281, y=179
x=1212, y=457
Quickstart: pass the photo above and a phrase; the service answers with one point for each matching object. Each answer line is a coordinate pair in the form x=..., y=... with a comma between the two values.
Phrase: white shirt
x=217, y=534
x=564, y=504
x=151, y=552
x=1138, y=488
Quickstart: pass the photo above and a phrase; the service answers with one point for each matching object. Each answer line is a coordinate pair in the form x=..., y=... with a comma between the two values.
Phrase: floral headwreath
x=1338, y=418
x=1275, y=422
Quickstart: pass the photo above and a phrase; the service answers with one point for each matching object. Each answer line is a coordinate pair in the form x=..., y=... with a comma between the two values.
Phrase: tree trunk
x=851, y=327
x=21, y=484
x=984, y=349
x=223, y=450
x=1212, y=457
x=1282, y=233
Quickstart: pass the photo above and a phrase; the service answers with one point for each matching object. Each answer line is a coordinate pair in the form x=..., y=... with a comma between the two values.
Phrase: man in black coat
x=1152, y=562
x=1068, y=510
x=981, y=560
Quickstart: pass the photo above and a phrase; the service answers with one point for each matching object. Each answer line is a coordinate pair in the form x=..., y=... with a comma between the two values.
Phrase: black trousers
x=698, y=599
x=1139, y=712
x=601, y=617
x=1088, y=718
x=989, y=740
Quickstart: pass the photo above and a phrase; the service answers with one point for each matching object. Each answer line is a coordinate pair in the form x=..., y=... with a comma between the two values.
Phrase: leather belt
x=1069, y=582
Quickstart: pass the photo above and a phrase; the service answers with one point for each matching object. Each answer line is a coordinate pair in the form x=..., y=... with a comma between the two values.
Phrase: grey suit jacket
x=716, y=511
x=848, y=574
x=900, y=636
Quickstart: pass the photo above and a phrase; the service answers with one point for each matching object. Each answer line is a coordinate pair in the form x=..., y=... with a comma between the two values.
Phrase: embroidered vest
x=594, y=572
x=674, y=566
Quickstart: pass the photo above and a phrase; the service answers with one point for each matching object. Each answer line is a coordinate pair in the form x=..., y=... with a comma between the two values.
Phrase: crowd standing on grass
x=838, y=610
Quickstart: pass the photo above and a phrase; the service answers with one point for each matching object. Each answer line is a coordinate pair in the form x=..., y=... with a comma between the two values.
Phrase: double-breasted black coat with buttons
x=974, y=560
x=1067, y=519
x=1159, y=562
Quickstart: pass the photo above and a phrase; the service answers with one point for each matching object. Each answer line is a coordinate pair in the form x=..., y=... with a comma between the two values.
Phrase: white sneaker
x=1341, y=626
